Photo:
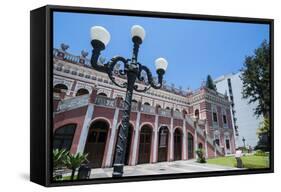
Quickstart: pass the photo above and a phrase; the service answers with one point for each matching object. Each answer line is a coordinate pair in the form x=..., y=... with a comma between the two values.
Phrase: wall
x=14, y=137
x=247, y=123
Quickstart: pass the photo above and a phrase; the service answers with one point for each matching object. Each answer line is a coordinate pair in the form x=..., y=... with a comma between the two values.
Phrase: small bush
x=260, y=153
x=200, y=156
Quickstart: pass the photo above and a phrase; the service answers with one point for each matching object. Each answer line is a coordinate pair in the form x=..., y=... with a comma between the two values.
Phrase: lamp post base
x=117, y=170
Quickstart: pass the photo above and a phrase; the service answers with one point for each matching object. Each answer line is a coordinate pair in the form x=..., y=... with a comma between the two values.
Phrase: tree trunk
x=72, y=174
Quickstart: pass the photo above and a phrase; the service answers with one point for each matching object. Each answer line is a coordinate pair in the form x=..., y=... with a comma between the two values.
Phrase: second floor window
x=215, y=118
x=224, y=119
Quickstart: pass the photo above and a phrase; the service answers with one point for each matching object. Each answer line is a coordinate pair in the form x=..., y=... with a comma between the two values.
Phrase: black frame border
x=49, y=9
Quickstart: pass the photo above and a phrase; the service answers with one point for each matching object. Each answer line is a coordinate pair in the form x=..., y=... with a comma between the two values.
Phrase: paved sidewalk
x=187, y=166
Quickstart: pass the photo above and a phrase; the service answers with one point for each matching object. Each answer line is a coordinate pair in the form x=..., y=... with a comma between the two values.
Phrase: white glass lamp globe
x=161, y=63
x=138, y=31
x=101, y=34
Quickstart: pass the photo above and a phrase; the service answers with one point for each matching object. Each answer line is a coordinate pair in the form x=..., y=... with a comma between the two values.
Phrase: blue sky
x=193, y=48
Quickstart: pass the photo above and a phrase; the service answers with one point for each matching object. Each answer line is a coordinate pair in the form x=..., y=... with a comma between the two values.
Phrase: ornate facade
x=165, y=125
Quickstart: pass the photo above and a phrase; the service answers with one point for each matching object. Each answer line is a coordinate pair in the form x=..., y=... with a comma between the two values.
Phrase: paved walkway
x=187, y=166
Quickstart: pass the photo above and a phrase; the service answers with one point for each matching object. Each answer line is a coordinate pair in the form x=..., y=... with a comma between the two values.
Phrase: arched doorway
x=177, y=144
x=96, y=141
x=145, y=144
x=200, y=146
x=59, y=88
x=63, y=137
x=82, y=91
x=163, y=144
x=128, y=145
x=190, y=146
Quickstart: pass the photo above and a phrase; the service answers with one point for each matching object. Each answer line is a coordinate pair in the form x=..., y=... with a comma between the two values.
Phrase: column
x=135, y=140
x=111, y=148
x=155, y=144
x=206, y=141
x=195, y=140
x=85, y=128
x=184, y=141
x=72, y=90
x=171, y=140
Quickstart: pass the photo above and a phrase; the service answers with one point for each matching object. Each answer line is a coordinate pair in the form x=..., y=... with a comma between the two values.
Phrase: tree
x=263, y=135
x=74, y=161
x=59, y=157
x=255, y=75
x=210, y=83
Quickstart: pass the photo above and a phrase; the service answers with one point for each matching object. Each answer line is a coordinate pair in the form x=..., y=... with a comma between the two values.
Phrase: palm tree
x=59, y=157
x=74, y=161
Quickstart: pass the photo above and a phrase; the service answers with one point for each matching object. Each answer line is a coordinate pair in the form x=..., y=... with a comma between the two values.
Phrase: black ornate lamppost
x=243, y=139
x=133, y=71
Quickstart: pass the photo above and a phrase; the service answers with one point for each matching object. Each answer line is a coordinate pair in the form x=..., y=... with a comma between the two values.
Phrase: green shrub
x=59, y=157
x=260, y=153
x=200, y=156
x=74, y=161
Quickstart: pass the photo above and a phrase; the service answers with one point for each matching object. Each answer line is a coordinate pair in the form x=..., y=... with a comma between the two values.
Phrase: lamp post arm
x=94, y=61
x=110, y=69
x=150, y=79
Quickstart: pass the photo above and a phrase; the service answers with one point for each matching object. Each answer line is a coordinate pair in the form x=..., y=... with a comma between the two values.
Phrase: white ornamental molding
x=86, y=86
x=147, y=100
x=161, y=103
x=103, y=90
x=65, y=82
x=119, y=94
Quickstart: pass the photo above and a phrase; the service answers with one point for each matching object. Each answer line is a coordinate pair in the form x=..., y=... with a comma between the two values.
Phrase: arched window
x=134, y=101
x=146, y=103
x=96, y=142
x=59, y=88
x=190, y=144
x=178, y=144
x=214, y=115
x=102, y=94
x=196, y=113
x=224, y=118
x=63, y=137
x=178, y=110
x=168, y=108
x=200, y=146
x=82, y=92
x=158, y=106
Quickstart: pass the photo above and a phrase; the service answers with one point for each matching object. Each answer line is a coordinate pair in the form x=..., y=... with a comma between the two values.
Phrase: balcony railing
x=69, y=57
x=148, y=109
x=177, y=114
x=164, y=112
x=74, y=102
x=218, y=148
x=189, y=120
x=209, y=140
x=135, y=107
x=105, y=101
x=200, y=132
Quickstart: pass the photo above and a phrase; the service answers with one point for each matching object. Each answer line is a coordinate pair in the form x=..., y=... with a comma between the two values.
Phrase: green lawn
x=68, y=177
x=249, y=161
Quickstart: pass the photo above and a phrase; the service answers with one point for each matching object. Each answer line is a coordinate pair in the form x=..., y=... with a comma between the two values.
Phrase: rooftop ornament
x=64, y=47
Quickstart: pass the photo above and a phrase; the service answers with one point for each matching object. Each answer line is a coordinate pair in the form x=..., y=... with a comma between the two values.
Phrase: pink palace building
x=165, y=125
